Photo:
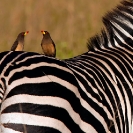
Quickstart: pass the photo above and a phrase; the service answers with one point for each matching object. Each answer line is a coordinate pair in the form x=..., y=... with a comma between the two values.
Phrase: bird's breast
x=48, y=49
x=19, y=47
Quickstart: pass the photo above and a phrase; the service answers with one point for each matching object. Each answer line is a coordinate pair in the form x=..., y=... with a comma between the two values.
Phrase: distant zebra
x=89, y=93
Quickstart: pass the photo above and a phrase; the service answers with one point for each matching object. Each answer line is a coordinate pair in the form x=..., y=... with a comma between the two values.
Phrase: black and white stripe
x=90, y=93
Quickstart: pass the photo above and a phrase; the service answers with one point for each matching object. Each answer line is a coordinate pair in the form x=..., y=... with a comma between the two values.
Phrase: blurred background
x=70, y=23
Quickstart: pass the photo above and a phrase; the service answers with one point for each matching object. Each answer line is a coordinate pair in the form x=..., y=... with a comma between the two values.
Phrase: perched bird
x=48, y=46
x=18, y=45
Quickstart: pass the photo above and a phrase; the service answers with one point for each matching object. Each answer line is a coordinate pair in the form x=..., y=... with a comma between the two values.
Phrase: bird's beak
x=43, y=32
x=26, y=32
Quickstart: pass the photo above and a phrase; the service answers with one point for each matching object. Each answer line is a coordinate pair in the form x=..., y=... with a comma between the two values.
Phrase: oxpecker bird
x=48, y=46
x=18, y=45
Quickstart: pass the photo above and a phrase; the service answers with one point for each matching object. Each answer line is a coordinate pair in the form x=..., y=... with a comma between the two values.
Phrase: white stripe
x=116, y=43
x=130, y=86
x=132, y=125
x=115, y=65
x=128, y=106
x=84, y=77
x=124, y=21
x=10, y=63
x=127, y=14
x=44, y=79
x=121, y=52
x=26, y=58
x=107, y=66
x=92, y=76
x=48, y=100
x=129, y=52
x=81, y=62
x=5, y=57
x=1, y=90
x=1, y=95
x=121, y=39
x=33, y=66
x=29, y=119
x=122, y=30
x=2, y=85
x=34, y=56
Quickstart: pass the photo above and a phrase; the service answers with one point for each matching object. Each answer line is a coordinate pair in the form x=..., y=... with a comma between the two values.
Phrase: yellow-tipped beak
x=43, y=32
x=26, y=32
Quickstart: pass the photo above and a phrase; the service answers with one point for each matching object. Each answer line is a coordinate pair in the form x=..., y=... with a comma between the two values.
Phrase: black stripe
x=31, y=128
x=116, y=72
x=47, y=111
x=50, y=90
x=42, y=71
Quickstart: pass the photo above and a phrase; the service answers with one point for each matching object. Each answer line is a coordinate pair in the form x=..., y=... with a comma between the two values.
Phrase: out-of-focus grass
x=70, y=23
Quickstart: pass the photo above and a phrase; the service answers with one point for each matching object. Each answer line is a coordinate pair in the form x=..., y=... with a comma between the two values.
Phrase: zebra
x=90, y=93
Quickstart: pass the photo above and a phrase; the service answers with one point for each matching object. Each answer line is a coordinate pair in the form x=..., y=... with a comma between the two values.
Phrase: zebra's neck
x=118, y=31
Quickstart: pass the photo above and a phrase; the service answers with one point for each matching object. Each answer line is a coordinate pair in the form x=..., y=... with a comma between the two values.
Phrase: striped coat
x=89, y=93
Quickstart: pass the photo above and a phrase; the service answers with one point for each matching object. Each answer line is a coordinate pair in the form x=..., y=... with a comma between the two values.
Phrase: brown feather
x=48, y=46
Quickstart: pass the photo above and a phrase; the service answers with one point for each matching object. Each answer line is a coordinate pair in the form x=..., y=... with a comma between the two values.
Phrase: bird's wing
x=14, y=46
x=54, y=48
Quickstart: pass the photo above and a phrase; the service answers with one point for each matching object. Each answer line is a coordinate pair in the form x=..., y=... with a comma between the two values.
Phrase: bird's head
x=45, y=32
x=22, y=34
x=25, y=33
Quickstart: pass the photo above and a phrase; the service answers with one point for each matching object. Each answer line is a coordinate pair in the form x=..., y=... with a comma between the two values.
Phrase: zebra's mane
x=106, y=37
